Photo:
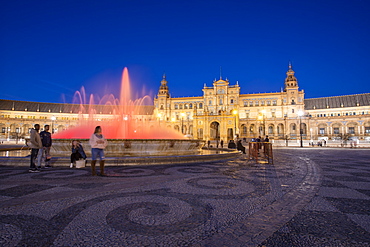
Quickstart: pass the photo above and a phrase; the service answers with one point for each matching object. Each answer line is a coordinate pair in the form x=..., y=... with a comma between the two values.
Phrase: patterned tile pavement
x=309, y=197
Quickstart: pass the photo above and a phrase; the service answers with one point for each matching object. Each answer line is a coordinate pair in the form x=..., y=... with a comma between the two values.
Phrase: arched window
x=190, y=106
x=200, y=105
x=176, y=106
x=232, y=101
x=180, y=106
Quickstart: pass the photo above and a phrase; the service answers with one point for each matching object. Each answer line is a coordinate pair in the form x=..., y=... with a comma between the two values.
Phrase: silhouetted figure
x=231, y=144
x=267, y=139
x=222, y=143
x=240, y=146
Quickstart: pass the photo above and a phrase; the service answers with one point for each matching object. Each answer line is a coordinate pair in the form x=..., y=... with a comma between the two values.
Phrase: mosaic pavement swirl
x=186, y=205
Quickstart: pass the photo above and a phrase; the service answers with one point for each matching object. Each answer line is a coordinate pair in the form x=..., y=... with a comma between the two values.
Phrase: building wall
x=221, y=113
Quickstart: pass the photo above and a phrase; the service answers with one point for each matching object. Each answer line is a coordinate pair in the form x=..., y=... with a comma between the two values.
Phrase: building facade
x=221, y=113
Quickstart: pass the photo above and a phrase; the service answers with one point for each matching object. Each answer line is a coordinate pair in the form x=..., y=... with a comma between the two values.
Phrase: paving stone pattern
x=309, y=197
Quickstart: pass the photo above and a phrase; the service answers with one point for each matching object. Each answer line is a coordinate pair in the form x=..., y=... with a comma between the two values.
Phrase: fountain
x=126, y=134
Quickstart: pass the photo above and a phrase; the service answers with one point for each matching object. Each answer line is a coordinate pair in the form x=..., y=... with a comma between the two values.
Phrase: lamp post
x=263, y=122
x=262, y=118
x=52, y=124
x=159, y=115
x=300, y=114
x=182, y=122
x=235, y=112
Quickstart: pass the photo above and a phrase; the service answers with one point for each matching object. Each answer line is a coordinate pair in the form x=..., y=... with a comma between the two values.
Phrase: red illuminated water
x=125, y=124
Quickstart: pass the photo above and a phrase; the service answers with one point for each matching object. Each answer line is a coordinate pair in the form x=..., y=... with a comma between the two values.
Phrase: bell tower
x=162, y=102
x=163, y=89
x=291, y=86
x=290, y=80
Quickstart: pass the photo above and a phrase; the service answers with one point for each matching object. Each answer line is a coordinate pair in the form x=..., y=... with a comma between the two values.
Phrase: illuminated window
x=336, y=131
x=351, y=130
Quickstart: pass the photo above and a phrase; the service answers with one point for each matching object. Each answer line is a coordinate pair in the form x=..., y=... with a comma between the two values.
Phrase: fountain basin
x=133, y=147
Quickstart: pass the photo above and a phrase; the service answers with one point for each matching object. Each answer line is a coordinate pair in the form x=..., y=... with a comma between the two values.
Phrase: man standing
x=35, y=144
x=46, y=144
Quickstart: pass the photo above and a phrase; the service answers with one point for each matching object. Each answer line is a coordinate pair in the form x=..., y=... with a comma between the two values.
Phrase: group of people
x=218, y=143
x=239, y=146
x=40, y=144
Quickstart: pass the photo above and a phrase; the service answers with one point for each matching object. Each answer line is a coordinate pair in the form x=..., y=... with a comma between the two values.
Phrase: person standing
x=97, y=143
x=46, y=145
x=35, y=144
x=222, y=143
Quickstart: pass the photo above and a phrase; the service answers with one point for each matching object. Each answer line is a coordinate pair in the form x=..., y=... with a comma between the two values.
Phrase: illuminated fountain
x=127, y=134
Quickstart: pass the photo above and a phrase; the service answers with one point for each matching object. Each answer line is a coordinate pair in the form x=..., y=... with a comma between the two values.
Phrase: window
x=186, y=106
x=220, y=101
x=262, y=103
x=251, y=103
x=268, y=102
x=292, y=110
x=200, y=105
x=190, y=106
x=210, y=102
x=176, y=106
x=336, y=131
x=3, y=130
x=245, y=103
x=367, y=130
x=322, y=131
x=273, y=114
x=274, y=102
x=351, y=130
x=257, y=103
x=180, y=106
x=247, y=115
x=232, y=101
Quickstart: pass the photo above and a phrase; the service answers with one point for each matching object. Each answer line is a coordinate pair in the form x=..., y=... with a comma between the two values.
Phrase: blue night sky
x=50, y=49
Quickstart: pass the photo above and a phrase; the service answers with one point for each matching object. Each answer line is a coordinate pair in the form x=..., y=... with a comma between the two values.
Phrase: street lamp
x=300, y=114
x=235, y=112
x=159, y=115
x=52, y=124
x=182, y=122
x=262, y=118
x=263, y=122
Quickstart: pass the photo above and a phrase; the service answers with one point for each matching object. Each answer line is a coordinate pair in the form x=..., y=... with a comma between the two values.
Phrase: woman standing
x=97, y=143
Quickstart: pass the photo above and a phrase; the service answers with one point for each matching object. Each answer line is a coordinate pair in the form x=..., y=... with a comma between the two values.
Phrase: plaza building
x=221, y=113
